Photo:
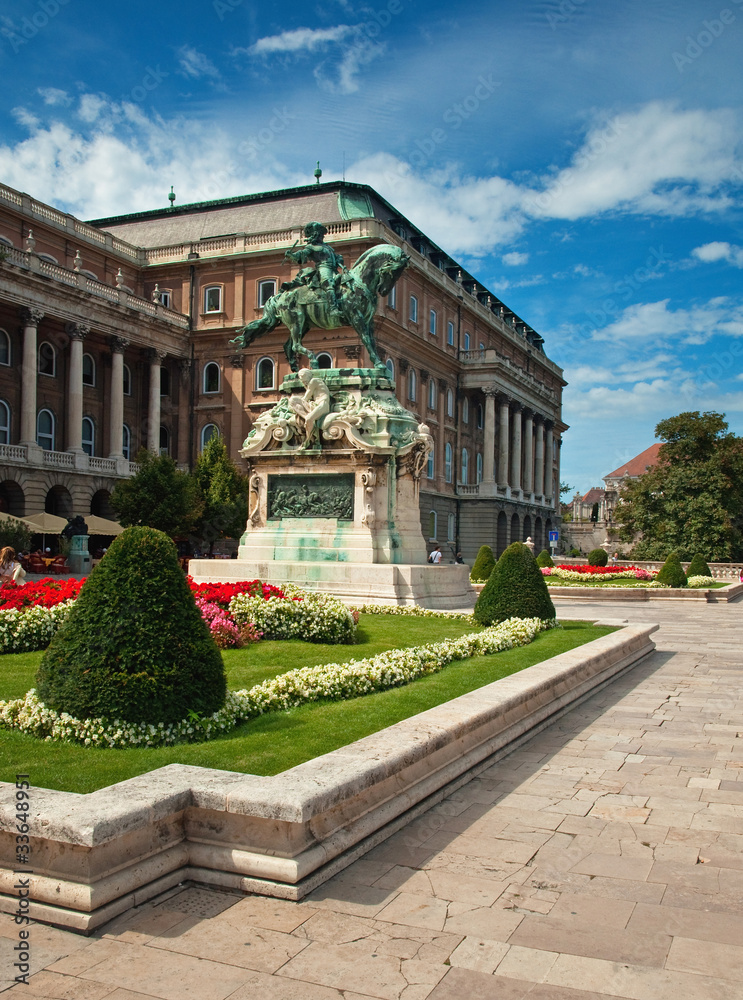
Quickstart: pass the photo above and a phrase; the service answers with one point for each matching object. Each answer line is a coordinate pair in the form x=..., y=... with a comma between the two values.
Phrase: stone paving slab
x=599, y=861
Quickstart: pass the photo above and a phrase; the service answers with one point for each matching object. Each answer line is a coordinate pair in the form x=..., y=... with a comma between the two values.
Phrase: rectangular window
x=392, y=298
x=165, y=299
x=213, y=299
x=413, y=309
x=432, y=322
x=466, y=345
x=266, y=289
x=450, y=334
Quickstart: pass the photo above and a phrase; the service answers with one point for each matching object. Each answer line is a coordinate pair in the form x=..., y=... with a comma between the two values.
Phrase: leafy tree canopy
x=222, y=491
x=692, y=500
x=159, y=496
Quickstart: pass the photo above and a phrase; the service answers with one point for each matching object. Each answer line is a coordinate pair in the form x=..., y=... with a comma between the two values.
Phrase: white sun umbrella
x=45, y=524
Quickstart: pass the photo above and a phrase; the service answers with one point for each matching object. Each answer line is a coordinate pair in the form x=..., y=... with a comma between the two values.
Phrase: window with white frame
x=431, y=394
x=213, y=299
x=88, y=436
x=264, y=374
x=266, y=288
x=433, y=525
x=449, y=403
x=451, y=527
x=4, y=422
x=465, y=467
x=413, y=312
x=212, y=377
x=466, y=345
x=411, y=386
x=45, y=430
x=126, y=442
x=166, y=297
x=448, y=462
x=47, y=359
x=450, y=334
x=432, y=319
x=208, y=432
x=465, y=410
x=4, y=348
x=164, y=441
x=431, y=464
x=324, y=360
x=390, y=365
x=392, y=298
x=478, y=467
x=88, y=369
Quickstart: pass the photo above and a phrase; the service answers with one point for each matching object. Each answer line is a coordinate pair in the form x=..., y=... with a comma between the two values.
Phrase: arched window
x=433, y=524
x=127, y=381
x=212, y=377
x=213, y=299
x=478, y=467
x=45, y=430
x=431, y=394
x=264, y=374
x=449, y=403
x=448, y=462
x=450, y=334
x=48, y=258
x=431, y=463
x=465, y=466
x=164, y=441
x=4, y=422
x=479, y=416
x=465, y=410
x=47, y=359
x=88, y=436
x=207, y=433
x=4, y=348
x=126, y=440
x=324, y=360
x=466, y=345
x=411, y=385
x=451, y=527
x=391, y=368
x=164, y=381
x=88, y=369
x=266, y=288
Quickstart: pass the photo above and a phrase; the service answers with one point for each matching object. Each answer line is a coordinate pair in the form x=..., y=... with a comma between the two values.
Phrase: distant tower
x=171, y=197
x=318, y=173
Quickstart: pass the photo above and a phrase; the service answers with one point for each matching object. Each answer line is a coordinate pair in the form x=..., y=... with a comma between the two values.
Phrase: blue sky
x=583, y=158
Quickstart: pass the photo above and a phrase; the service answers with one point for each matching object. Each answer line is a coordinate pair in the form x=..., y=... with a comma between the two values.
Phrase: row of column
x=77, y=333
x=525, y=442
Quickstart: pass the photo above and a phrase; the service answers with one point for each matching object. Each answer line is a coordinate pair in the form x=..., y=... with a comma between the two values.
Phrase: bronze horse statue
x=352, y=302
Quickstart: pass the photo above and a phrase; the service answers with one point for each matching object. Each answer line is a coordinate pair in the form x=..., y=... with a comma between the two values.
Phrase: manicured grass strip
x=628, y=584
x=280, y=740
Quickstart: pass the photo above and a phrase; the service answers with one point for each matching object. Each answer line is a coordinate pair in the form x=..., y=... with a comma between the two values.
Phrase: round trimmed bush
x=598, y=557
x=575, y=553
x=698, y=567
x=672, y=572
x=544, y=559
x=516, y=589
x=483, y=565
x=134, y=646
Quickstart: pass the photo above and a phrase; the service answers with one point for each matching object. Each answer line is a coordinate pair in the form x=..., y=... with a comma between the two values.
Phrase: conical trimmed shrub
x=135, y=646
x=698, y=567
x=545, y=559
x=598, y=557
x=672, y=572
x=516, y=589
x=483, y=565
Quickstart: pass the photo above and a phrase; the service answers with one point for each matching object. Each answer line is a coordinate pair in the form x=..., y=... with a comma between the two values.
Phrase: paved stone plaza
x=600, y=859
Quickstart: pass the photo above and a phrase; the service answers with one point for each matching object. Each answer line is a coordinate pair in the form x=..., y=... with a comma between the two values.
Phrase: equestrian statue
x=328, y=295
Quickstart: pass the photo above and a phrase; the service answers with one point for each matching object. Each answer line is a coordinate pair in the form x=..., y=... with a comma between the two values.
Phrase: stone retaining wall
x=97, y=855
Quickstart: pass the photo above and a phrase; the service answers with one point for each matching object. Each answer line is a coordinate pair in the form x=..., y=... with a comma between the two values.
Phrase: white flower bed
x=314, y=618
x=335, y=681
x=30, y=629
x=700, y=581
x=414, y=610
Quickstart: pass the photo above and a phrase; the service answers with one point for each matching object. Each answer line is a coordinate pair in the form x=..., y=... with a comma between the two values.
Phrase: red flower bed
x=222, y=593
x=598, y=570
x=44, y=593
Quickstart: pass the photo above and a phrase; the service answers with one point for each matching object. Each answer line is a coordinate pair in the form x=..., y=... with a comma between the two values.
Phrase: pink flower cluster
x=226, y=634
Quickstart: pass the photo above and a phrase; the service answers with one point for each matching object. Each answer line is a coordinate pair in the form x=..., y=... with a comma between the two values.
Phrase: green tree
x=159, y=496
x=222, y=491
x=672, y=572
x=16, y=534
x=483, y=565
x=692, y=499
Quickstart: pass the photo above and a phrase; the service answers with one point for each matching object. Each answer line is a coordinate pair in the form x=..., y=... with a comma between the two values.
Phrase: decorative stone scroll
x=325, y=495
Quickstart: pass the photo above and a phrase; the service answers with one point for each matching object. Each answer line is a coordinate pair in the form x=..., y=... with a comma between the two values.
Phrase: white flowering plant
x=332, y=681
x=300, y=615
x=27, y=630
x=700, y=581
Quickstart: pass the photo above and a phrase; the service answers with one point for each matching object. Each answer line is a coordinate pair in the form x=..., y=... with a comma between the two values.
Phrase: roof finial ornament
x=171, y=197
x=318, y=173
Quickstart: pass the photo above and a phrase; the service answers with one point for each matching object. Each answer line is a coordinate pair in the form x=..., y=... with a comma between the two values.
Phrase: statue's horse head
x=380, y=267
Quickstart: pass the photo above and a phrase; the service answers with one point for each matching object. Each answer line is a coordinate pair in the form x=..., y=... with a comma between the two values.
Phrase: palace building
x=115, y=335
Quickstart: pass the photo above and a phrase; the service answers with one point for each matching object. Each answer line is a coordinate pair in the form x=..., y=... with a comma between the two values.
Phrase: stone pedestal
x=335, y=473
x=79, y=558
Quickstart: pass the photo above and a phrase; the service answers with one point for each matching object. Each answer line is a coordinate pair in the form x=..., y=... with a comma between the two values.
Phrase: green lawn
x=626, y=583
x=275, y=742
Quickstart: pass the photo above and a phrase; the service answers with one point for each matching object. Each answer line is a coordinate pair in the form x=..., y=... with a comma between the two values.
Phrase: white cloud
x=91, y=107
x=195, y=65
x=26, y=118
x=298, y=40
x=655, y=322
x=710, y=252
x=515, y=258
x=54, y=96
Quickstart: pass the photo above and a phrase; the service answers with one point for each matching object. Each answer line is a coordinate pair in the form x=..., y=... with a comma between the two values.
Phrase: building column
x=548, y=475
x=528, y=451
x=539, y=459
x=516, y=449
x=31, y=319
x=77, y=332
x=184, y=412
x=556, y=490
x=488, y=462
x=441, y=437
x=503, y=439
x=156, y=359
x=116, y=407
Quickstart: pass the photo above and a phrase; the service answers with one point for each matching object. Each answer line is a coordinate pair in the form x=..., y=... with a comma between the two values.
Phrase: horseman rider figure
x=326, y=263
